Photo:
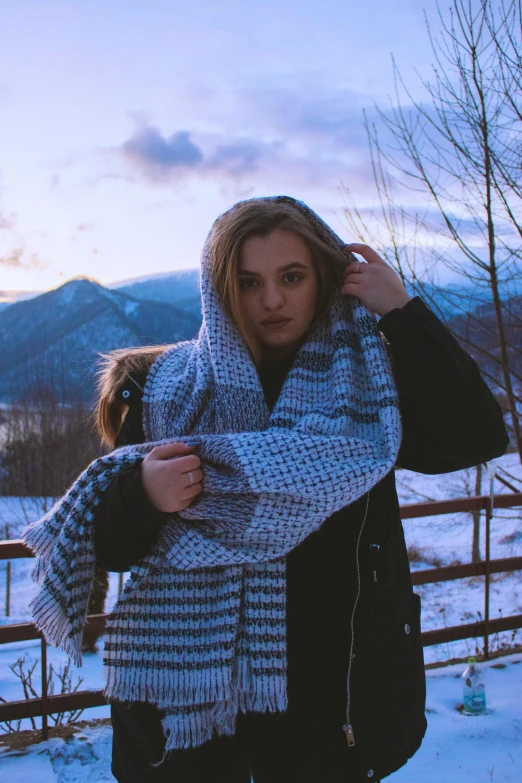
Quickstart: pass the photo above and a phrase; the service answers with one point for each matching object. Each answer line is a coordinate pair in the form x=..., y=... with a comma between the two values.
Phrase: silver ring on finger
x=191, y=478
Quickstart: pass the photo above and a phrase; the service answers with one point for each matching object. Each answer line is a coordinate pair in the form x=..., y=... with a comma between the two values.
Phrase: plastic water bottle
x=474, y=687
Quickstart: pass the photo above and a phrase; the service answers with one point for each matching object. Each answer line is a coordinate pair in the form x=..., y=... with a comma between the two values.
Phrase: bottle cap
x=472, y=660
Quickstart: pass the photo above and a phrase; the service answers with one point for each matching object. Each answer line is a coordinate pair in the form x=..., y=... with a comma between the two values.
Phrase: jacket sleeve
x=126, y=524
x=450, y=418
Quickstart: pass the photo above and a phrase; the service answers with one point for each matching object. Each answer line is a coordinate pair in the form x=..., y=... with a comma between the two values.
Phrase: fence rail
x=48, y=705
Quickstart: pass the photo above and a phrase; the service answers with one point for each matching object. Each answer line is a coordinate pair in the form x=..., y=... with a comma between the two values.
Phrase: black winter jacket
x=450, y=421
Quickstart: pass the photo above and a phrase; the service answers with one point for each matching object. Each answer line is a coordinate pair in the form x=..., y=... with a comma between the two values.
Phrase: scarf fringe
x=54, y=624
x=38, y=538
x=165, y=689
x=267, y=696
x=192, y=730
x=184, y=731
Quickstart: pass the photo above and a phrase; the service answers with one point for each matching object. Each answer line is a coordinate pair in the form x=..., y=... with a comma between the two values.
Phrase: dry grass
x=19, y=740
x=417, y=554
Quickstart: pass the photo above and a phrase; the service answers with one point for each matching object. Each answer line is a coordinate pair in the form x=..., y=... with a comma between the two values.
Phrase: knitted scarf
x=199, y=629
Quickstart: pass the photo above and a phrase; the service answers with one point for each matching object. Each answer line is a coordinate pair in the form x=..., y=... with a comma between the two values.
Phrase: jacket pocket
x=388, y=682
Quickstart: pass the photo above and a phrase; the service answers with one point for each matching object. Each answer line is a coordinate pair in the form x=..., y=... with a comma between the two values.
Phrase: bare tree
x=459, y=152
x=47, y=443
x=475, y=547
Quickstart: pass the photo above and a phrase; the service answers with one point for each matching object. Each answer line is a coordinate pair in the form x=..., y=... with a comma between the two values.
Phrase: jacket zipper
x=348, y=728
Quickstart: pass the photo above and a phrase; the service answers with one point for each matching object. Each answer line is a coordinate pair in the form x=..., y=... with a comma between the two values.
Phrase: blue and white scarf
x=199, y=629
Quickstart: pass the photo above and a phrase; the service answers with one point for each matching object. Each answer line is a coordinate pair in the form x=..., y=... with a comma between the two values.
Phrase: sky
x=127, y=127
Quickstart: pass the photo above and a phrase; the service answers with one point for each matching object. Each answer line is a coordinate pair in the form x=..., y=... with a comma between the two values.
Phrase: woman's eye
x=247, y=283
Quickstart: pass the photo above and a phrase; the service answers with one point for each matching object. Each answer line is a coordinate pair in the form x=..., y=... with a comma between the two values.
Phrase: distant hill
x=8, y=297
x=180, y=289
x=477, y=332
x=55, y=338
x=453, y=299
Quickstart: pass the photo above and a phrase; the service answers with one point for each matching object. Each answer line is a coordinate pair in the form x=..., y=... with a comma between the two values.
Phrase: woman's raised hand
x=375, y=283
x=164, y=475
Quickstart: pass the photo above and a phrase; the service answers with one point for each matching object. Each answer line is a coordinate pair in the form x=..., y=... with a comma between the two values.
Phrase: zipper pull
x=348, y=730
x=374, y=551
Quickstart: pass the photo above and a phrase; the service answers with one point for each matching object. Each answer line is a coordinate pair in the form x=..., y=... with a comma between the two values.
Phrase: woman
x=269, y=627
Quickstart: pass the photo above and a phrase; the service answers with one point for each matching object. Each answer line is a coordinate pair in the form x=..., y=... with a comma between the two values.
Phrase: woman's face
x=278, y=285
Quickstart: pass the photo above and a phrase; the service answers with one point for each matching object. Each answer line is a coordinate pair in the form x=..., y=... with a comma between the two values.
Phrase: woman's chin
x=279, y=348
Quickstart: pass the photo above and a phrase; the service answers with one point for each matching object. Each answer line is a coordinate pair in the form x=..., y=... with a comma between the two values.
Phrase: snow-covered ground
x=437, y=540
x=447, y=539
x=456, y=749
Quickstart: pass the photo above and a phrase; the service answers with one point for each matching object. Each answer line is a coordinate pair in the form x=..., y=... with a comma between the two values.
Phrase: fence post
x=486, y=584
x=7, y=580
x=492, y=469
x=8, y=588
x=45, y=728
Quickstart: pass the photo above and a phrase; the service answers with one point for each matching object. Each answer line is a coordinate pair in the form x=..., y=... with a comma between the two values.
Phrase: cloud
x=159, y=158
x=332, y=116
x=7, y=222
x=18, y=259
x=155, y=153
x=13, y=259
x=238, y=158
x=300, y=134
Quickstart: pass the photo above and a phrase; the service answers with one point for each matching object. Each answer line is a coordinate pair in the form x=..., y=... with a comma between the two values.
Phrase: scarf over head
x=199, y=629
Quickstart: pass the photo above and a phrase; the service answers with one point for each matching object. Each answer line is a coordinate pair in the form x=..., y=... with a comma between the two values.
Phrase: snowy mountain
x=59, y=333
x=476, y=330
x=55, y=338
x=9, y=297
x=180, y=289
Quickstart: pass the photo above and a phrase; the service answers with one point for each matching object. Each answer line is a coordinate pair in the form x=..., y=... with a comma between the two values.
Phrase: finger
x=197, y=476
x=368, y=253
x=170, y=450
x=351, y=285
x=353, y=273
x=189, y=462
x=352, y=289
x=191, y=492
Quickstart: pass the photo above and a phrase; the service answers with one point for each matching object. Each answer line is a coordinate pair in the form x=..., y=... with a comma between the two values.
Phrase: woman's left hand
x=375, y=283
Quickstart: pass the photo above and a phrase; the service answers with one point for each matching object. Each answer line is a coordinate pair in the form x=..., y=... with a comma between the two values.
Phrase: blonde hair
x=259, y=217
x=112, y=373
x=256, y=217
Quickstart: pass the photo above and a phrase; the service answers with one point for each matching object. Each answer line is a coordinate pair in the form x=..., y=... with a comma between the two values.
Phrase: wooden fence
x=47, y=705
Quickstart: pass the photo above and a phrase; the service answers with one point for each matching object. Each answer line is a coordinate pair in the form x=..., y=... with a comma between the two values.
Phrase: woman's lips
x=276, y=324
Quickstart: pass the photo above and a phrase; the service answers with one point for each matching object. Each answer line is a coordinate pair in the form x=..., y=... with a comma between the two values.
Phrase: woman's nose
x=272, y=297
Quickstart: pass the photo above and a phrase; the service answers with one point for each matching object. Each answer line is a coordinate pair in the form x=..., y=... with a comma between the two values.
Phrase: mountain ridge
x=56, y=337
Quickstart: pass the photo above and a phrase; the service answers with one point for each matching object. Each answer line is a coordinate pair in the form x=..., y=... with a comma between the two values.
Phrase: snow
x=457, y=748
x=442, y=540
x=131, y=307
x=28, y=766
x=447, y=539
x=470, y=748
x=85, y=758
x=180, y=274
x=11, y=688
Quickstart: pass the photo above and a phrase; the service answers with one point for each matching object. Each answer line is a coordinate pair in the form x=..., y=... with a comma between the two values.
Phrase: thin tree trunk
x=475, y=548
x=508, y=387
